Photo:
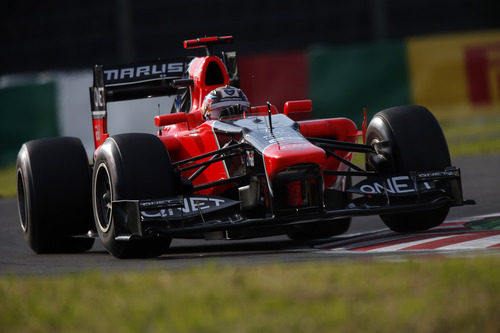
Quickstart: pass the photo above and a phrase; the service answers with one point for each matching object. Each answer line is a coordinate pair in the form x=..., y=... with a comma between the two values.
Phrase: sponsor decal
x=228, y=92
x=453, y=172
x=184, y=208
x=97, y=131
x=456, y=73
x=178, y=102
x=99, y=102
x=294, y=146
x=398, y=185
x=483, y=73
x=250, y=158
x=159, y=70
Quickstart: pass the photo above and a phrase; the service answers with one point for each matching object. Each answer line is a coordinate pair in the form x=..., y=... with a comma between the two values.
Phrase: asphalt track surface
x=480, y=181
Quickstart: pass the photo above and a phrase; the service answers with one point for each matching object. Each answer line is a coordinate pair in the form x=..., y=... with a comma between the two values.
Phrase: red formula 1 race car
x=220, y=168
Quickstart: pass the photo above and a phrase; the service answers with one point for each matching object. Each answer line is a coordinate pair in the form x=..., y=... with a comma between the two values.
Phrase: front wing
x=199, y=214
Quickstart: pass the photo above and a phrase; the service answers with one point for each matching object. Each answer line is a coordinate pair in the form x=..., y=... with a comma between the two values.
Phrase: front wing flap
x=438, y=182
x=140, y=217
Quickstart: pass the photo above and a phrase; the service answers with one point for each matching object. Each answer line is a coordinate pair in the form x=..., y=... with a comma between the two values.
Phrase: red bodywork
x=186, y=135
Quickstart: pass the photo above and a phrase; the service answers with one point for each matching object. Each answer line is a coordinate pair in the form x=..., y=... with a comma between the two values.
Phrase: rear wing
x=133, y=81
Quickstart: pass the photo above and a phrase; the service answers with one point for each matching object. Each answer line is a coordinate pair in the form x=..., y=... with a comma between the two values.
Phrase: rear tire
x=415, y=143
x=53, y=195
x=130, y=167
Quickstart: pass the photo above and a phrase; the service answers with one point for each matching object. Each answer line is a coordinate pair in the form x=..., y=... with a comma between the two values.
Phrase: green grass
x=448, y=295
x=473, y=135
x=8, y=182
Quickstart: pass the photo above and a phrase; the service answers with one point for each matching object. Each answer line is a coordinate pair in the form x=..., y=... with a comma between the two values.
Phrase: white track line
x=397, y=247
x=480, y=243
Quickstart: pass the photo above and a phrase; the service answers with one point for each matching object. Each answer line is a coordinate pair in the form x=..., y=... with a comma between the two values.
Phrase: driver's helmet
x=224, y=102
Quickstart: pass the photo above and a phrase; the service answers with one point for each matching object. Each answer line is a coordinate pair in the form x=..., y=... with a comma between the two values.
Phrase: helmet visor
x=228, y=109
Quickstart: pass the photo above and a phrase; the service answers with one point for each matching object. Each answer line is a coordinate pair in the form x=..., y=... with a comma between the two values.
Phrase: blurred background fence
x=344, y=55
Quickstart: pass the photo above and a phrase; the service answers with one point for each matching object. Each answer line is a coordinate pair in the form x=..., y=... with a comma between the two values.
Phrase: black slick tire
x=53, y=195
x=132, y=166
x=414, y=142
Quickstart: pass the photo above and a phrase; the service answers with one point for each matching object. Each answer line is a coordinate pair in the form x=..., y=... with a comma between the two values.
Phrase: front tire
x=130, y=167
x=53, y=195
x=414, y=142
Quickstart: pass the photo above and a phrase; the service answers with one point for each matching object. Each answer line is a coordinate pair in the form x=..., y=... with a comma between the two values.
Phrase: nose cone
x=280, y=156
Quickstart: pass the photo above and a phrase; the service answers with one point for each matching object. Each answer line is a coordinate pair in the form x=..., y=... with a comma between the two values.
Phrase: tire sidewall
x=138, y=167
x=26, y=203
x=104, y=232
x=108, y=160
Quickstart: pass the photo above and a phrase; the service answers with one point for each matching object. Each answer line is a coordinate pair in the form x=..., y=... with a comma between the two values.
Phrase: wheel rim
x=103, y=197
x=21, y=200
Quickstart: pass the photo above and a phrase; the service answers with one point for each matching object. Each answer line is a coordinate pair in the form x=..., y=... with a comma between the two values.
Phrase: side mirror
x=298, y=110
x=170, y=119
